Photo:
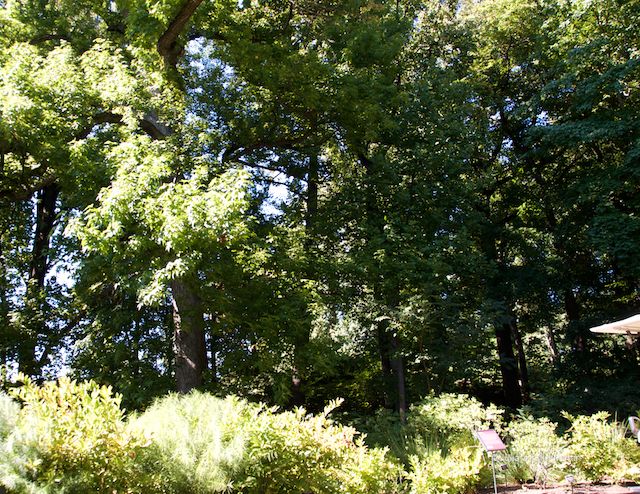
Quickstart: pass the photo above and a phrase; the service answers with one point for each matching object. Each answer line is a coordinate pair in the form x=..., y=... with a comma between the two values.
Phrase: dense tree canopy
x=295, y=201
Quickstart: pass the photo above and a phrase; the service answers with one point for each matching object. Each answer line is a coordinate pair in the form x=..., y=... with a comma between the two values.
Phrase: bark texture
x=188, y=337
x=35, y=299
x=522, y=360
x=168, y=46
x=508, y=366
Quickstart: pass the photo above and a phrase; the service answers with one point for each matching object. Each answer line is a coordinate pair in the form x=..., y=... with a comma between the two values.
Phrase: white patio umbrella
x=629, y=326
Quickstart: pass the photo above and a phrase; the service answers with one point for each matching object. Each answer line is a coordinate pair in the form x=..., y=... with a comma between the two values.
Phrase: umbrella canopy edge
x=630, y=326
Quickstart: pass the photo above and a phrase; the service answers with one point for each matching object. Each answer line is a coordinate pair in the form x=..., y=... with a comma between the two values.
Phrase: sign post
x=491, y=443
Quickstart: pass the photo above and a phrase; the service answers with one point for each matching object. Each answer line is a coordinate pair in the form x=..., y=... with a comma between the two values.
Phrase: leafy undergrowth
x=69, y=437
x=73, y=438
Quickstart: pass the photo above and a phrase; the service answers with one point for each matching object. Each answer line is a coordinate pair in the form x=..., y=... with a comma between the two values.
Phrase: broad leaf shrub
x=599, y=449
x=458, y=472
x=437, y=445
x=295, y=452
x=203, y=444
x=9, y=411
x=445, y=456
x=450, y=419
x=70, y=437
x=536, y=453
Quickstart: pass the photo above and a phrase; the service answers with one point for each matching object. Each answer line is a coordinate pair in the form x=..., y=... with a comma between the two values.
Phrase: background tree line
x=299, y=200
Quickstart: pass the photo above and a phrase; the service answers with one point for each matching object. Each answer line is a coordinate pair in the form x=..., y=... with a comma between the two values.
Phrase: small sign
x=490, y=440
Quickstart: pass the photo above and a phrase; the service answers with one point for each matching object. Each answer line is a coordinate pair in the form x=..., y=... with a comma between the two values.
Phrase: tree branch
x=26, y=191
x=276, y=170
x=168, y=46
x=41, y=176
x=48, y=37
x=98, y=119
x=154, y=128
x=234, y=151
x=149, y=124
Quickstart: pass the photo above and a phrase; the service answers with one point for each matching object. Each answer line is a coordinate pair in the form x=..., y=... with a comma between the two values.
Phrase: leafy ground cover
x=70, y=437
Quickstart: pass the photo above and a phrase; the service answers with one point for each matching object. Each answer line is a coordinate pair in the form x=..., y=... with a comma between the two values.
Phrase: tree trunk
x=5, y=339
x=392, y=366
x=45, y=221
x=552, y=345
x=188, y=337
x=508, y=366
x=503, y=330
x=384, y=349
x=136, y=337
x=168, y=327
x=297, y=394
x=301, y=338
x=312, y=195
x=168, y=46
x=298, y=397
x=35, y=298
x=572, y=309
x=522, y=360
x=397, y=365
x=213, y=349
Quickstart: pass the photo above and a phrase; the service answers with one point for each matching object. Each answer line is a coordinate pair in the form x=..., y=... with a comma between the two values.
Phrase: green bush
x=448, y=420
x=385, y=429
x=599, y=449
x=457, y=473
x=198, y=443
x=444, y=456
x=535, y=453
x=9, y=411
x=295, y=452
x=70, y=438
x=203, y=444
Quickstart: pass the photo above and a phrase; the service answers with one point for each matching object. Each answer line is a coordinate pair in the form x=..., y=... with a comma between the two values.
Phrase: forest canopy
x=294, y=201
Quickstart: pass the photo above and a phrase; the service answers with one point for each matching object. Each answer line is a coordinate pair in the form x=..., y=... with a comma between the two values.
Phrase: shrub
x=600, y=449
x=198, y=442
x=295, y=452
x=456, y=473
x=444, y=455
x=449, y=420
x=535, y=453
x=385, y=429
x=9, y=411
x=203, y=444
x=70, y=438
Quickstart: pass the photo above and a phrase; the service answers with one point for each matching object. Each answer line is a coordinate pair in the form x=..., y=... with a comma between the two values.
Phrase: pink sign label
x=490, y=440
